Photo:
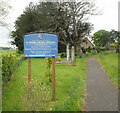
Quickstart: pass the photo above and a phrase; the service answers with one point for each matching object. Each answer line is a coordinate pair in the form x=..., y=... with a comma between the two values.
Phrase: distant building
x=87, y=43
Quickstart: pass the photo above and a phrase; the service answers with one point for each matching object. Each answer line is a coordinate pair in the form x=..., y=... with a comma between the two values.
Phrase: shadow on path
x=101, y=94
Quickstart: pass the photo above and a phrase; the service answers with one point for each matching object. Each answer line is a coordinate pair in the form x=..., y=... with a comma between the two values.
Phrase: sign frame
x=41, y=45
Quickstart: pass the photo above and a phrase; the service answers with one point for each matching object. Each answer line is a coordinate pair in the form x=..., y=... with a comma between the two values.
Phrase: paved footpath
x=101, y=94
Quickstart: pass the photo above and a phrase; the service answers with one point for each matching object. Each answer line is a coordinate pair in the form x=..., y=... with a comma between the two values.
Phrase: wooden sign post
x=29, y=72
x=53, y=79
x=41, y=45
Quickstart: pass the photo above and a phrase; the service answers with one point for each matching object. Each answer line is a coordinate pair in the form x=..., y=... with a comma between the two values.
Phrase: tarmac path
x=101, y=93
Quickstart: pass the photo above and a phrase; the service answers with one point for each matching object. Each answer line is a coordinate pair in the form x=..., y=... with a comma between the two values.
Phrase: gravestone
x=68, y=52
x=73, y=54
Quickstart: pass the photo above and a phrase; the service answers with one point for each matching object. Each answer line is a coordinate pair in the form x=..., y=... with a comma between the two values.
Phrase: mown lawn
x=70, y=87
x=109, y=61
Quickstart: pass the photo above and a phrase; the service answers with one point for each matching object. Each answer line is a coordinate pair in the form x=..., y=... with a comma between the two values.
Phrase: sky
x=107, y=21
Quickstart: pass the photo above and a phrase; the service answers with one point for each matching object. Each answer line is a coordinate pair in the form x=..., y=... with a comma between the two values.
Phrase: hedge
x=9, y=63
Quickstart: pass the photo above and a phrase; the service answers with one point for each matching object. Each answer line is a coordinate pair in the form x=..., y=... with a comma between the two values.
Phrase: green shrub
x=9, y=63
x=87, y=55
x=63, y=55
x=49, y=67
x=58, y=59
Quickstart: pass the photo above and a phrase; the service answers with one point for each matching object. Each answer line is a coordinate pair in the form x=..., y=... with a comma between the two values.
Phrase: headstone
x=68, y=52
x=73, y=54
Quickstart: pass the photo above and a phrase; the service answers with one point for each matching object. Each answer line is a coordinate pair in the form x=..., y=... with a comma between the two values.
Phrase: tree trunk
x=78, y=50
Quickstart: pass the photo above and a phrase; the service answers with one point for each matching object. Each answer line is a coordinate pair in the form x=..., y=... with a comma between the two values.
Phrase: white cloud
x=109, y=19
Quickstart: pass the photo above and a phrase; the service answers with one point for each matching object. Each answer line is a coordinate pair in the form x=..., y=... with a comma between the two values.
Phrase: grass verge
x=109, y=61
x=70, y=86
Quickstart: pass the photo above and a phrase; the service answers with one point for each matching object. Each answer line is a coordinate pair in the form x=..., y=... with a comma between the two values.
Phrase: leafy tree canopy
x=102, y=38
x=67, y=19
x=115, y=35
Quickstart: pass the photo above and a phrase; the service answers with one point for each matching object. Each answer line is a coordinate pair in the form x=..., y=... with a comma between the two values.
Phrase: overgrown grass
x=109, y=61
x=70, y=86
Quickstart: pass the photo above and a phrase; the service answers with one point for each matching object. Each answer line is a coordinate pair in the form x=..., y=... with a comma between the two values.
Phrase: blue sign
x=41, y=45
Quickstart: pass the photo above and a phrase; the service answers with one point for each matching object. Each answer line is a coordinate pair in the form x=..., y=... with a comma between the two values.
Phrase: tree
x=115, y=35
x=34, y=18
x=66, y=18
x=101, y=38
x=78, y=28
x=4, y=9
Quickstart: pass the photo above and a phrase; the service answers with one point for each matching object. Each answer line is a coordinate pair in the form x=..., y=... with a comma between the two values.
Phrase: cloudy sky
x=108, y=20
